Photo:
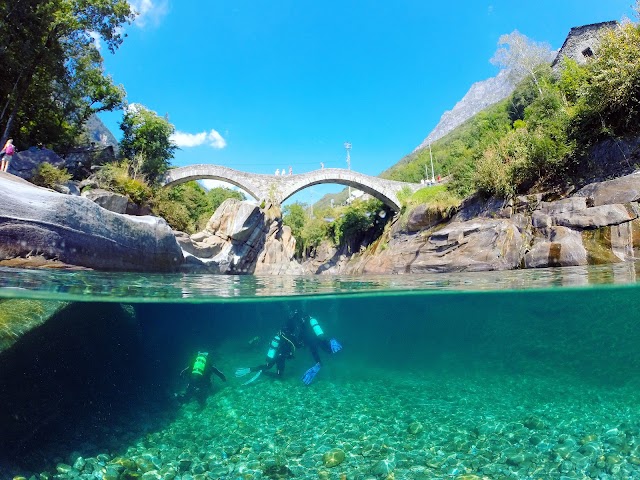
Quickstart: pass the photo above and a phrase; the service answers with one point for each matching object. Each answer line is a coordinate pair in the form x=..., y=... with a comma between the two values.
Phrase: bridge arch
x=277, y=189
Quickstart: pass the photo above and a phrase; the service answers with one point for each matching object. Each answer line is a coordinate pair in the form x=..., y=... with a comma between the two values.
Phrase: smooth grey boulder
x=37, y=222
x=562, y=247
x=114, y=202
x=422, y=217
x=25, y=162
x=619, y=190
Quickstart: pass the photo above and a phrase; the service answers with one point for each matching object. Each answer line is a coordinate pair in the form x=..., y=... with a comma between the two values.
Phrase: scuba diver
x=199, y=384
x=299, y=330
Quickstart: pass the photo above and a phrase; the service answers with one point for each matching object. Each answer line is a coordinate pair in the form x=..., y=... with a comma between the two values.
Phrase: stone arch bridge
x=278, y=188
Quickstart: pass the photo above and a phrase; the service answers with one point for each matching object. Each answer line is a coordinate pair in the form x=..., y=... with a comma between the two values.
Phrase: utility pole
x=347, y=146
x=433, y=177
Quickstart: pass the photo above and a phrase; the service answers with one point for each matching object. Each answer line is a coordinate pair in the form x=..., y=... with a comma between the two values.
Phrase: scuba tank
x=273, y=348
x=200, y=363
x=316, y=328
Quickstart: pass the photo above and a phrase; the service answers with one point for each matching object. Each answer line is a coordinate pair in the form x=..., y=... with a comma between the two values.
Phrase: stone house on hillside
x=582, y=42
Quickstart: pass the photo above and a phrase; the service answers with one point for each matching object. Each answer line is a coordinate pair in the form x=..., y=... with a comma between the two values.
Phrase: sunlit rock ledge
x=596, y=225
x=65, y=229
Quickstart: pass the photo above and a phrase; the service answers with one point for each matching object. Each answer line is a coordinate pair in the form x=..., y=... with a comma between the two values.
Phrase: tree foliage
x=53, y=78
x=146, y=143
x=188, y=207
x=521, y=56
x=217, y=195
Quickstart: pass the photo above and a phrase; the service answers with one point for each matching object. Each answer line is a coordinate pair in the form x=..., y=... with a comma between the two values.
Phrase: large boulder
x=242, y=238
x=37, y=222
x=78, y=162
x=619, y=190
x=25, y=162
x=478, y=245
x=114, y=202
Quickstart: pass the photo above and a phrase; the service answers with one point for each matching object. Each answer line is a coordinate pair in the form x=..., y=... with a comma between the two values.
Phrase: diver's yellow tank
x=200, y=363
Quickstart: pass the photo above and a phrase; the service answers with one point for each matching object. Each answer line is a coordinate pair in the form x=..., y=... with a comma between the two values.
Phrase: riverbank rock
x=598, y=224
x=114, y=202
x=478, y=245
x=242, y=238
x=40, y=223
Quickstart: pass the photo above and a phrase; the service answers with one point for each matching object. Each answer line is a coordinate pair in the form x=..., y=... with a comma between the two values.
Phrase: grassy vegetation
x=46, y=175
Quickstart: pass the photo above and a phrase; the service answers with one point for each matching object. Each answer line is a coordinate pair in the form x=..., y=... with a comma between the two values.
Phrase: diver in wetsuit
x=300, y=330
x=199, y=384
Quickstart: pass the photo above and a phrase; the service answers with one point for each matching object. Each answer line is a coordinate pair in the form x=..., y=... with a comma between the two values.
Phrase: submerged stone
x=415, y=428
x=333, y=458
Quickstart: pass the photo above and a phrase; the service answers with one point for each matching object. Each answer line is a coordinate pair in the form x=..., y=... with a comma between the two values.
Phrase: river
x=528, y=374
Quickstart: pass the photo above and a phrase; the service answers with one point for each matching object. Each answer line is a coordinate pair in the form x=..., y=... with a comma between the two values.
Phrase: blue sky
x=259, y=86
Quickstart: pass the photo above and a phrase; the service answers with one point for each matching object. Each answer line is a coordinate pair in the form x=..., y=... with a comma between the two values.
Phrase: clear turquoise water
x=525, y=374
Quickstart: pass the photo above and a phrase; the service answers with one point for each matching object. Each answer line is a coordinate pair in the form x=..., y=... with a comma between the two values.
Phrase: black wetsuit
x=297, y=333
x=199, y=386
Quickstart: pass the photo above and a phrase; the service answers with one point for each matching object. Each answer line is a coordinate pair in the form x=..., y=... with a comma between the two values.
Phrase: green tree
x=295, y=217
x=217, y=195
x=522, y=56
x=53, y=78
x=146, y=142
x=312, y=235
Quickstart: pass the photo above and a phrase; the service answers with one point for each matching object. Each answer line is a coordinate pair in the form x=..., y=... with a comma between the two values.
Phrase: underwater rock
x=19, y=316
x=333, y=458
x=415, y=428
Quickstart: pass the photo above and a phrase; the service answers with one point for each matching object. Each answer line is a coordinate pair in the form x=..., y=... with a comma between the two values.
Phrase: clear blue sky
x=262, y=85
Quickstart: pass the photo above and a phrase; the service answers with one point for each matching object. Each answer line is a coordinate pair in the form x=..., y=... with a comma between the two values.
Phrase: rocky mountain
x=98, y=133
x=480, y=96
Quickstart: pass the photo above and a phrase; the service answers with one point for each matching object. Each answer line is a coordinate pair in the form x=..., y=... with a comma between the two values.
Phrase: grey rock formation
x=480, y=96
x=79, y=161
x=25, y=162
x=111, y=201
x=40, y=223
x=242, y=238
x=619, y=190
x=595, y=225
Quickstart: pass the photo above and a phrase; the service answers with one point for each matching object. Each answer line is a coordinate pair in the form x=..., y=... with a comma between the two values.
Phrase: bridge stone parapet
x=278, y=188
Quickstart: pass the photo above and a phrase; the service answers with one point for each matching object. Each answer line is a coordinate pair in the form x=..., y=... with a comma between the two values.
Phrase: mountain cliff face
x=480, y=96
x=98, y=132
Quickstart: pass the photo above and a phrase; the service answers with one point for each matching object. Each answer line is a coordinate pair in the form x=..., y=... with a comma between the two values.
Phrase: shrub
x=115, y=177
x=437, y=198
x=46, y=175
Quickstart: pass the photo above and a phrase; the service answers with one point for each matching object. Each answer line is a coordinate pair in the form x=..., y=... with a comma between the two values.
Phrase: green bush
x=46, y=175
x=115, y=178
x=437, y=197
x=176, y=214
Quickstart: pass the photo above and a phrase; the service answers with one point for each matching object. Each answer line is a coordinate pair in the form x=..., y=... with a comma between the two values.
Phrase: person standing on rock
x=299, y=330
x=200, y=380
x=7, y=153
